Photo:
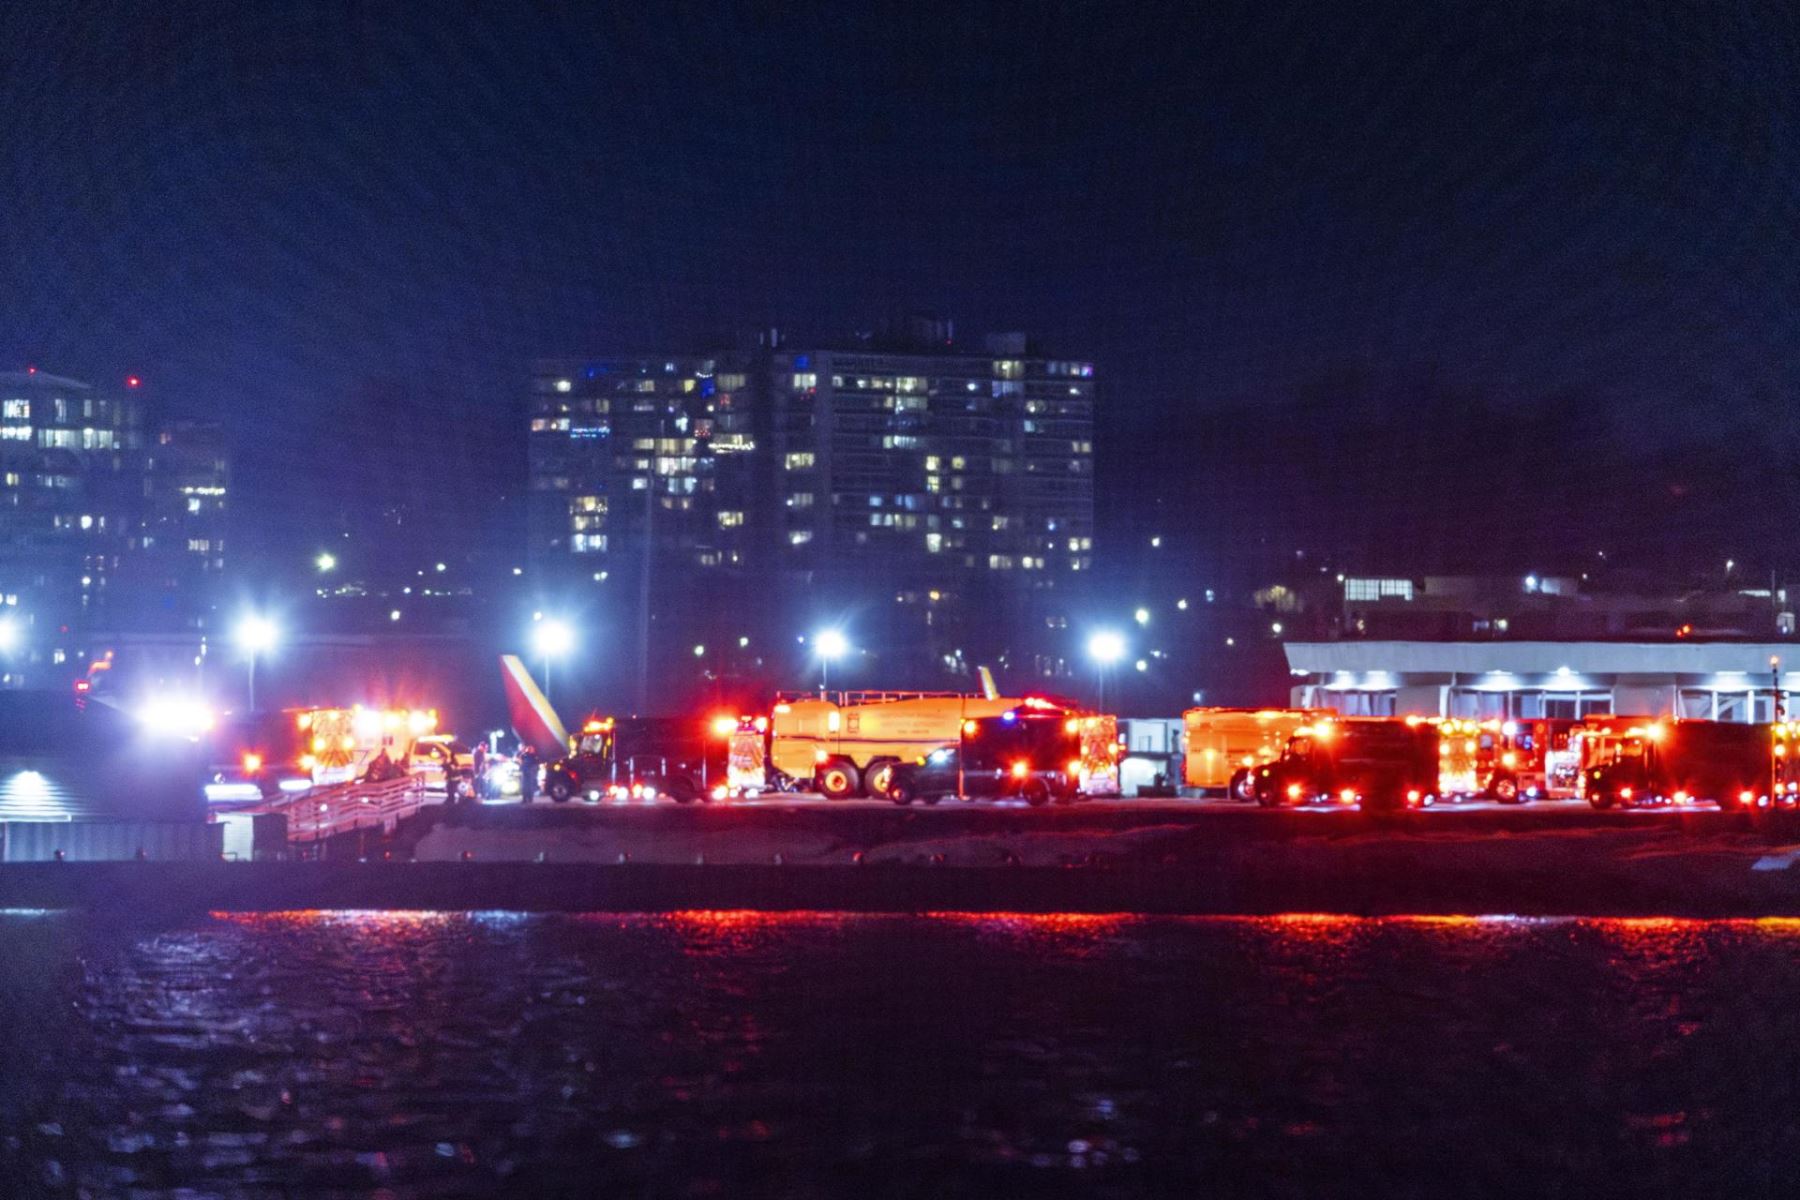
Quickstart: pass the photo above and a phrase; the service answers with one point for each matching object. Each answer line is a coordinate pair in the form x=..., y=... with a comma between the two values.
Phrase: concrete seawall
x=1655, y=870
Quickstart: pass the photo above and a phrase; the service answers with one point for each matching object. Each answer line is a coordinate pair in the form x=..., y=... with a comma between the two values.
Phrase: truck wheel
x=879, y=775
x=1505, y=790
x=1600, y=800
x=559, y=790
x=1036, y=793
x=902, y=792
x=838, y=780
x=1241, y=787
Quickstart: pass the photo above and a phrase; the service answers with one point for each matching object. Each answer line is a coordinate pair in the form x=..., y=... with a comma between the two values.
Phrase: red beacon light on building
x=132, y=381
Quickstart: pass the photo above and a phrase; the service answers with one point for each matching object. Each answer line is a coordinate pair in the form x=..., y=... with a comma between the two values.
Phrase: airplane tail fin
x=533, y=720
x=988, y=690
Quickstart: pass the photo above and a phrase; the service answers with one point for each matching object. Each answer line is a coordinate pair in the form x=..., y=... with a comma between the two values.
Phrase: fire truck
x=848, y=743
x=1376, y=762
x=260, y=755
x=1785, y=790
x=1730, y=763
x=1224, y=745
x=1465, y=751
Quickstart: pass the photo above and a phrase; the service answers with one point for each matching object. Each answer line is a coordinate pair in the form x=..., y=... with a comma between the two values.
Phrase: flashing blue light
x=940, y=756
x=1009, y=716
x=802, y=361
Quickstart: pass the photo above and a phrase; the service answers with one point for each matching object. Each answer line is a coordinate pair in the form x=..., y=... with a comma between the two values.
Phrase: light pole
x=1105, y=647
x=256, y=635
x=552, y=639
x=829, y=644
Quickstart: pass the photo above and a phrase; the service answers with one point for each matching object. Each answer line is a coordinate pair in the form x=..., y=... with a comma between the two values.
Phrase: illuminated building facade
x=101, y=523
x=955, y=486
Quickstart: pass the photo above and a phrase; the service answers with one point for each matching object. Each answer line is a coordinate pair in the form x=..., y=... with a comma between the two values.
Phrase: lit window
x=805, y=379
x=800, y=460
x=799, y=537
x=730, y=520
x=934, y=542
x=800, y=500
x=563, y=385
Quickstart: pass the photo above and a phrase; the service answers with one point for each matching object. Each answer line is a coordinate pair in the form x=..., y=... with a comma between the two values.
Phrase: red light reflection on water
x=1069, y=922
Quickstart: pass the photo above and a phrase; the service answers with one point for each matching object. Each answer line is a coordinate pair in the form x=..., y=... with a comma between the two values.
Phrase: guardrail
x=326, y=812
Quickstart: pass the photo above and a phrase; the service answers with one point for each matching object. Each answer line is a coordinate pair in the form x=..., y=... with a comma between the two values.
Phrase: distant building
x=951, y=484
x=1725, y=681
x=101, y=524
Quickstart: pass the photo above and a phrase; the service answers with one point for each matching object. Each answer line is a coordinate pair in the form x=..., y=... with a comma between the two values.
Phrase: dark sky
x=271, y=211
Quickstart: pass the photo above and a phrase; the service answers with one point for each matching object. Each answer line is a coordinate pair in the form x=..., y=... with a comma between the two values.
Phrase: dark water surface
x=728, y=1054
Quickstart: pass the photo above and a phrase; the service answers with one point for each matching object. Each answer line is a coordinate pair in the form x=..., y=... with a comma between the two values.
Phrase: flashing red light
x=82, y=685
x=132, y=381
x=31, y=370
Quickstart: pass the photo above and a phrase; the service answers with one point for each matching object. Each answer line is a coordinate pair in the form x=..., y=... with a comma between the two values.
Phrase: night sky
x=278, y=214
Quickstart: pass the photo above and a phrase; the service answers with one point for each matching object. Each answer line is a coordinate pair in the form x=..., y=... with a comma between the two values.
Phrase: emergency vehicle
x=1033, y=752
x=847, y=743
x=260, y=755
x=638, y=758
x=1375, y=762
x=1729, y=763
x=1785, y=779
x=1224, y=745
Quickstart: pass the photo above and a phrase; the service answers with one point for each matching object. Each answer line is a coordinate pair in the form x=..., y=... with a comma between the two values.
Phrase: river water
x=733, y=1054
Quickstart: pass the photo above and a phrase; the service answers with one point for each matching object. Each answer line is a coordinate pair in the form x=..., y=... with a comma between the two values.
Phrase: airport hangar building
x=1724, y=681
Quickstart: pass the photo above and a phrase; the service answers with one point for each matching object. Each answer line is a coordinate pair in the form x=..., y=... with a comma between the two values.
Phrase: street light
x=552, y=639
x=830, y=644
x=256, y=635
x=9, y=635
x=326, y=561
x=1106, y=647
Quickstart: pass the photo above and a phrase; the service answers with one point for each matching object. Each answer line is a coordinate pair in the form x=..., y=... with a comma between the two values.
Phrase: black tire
x=1505, y=790
x=932, y=800
x=879, y=775
x=902, y=792
x=1600, y=800
x=559, y=789
x=838, y=780
x=1036, y=792
x=1242, y=786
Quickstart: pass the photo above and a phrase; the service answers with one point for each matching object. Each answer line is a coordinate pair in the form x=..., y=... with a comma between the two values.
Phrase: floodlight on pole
x=1106, y=647
x=256, y=636
x=829, y=645
x=552, y=639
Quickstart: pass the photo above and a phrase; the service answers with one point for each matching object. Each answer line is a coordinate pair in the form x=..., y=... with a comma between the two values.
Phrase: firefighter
x=478, y=768
x=528, y=773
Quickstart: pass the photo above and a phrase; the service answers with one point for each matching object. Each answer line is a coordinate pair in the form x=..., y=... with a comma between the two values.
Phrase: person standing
x=528, y=773
x=478, y=769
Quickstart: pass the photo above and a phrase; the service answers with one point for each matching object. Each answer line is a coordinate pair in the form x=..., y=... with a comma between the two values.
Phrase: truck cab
x=1376, y=762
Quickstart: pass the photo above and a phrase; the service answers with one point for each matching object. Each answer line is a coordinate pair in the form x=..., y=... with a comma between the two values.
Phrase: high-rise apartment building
x=781, y=484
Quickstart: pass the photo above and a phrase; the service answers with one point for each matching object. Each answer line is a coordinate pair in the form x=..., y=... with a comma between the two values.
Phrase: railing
x=846, y=699
x=326, y=812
